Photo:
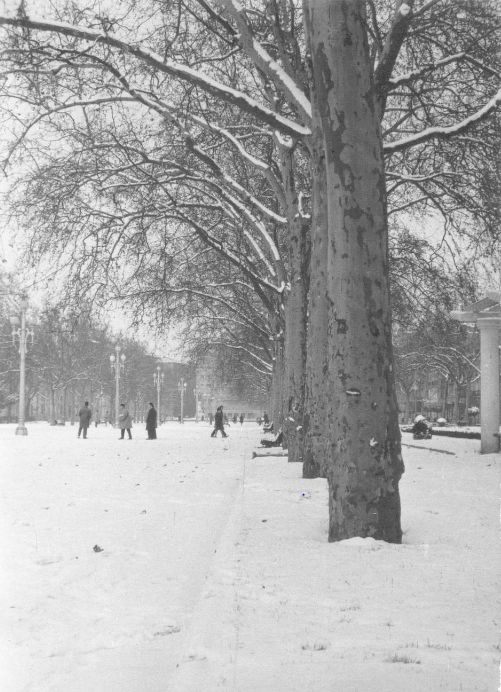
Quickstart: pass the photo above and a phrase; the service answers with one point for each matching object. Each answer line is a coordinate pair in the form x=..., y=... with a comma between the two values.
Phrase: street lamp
x=181, y=388
x=415, y=388
x=22, y=333
x=117, y=363
x=158, y=380
x=195, y=394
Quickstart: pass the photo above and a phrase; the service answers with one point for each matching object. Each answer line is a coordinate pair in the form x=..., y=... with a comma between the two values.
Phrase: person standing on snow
x=219, y=423
x=151, y=422
x=125, y=422
x=85, y=414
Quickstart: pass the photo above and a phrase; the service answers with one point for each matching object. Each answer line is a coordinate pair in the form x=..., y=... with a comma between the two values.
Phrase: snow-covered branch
x=392, y=45
x=445, y=131
x=263, y=60
x=167, y=66
x=412, y=75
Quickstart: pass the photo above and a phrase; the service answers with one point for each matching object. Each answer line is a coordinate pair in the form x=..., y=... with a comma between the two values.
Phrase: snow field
x=215, y=572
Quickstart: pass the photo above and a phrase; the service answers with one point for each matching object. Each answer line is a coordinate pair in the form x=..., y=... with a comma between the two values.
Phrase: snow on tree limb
x=167, y=66
x=220, y=247
x=239, y=189
x=257, y=163
x=446, y=131
x=263, y=60
x=394, y=40
x=267, y=365
x=399, y=80
x=412, y=75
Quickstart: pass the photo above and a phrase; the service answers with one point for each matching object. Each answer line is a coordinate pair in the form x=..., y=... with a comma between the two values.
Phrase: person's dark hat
x=151, y=404
x=86, y=403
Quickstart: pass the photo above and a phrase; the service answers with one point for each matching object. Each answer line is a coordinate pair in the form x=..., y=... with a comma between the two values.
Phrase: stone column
x=489, y=384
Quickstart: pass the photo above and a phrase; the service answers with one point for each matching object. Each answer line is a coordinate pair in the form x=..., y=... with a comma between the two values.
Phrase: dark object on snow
x=85, y=414
x=219, y=423
x=421, y=430
x=151, y=422
x=270, y=452
x=464, y=434
x=97, y=549
x=422, y=435
x=276, y=442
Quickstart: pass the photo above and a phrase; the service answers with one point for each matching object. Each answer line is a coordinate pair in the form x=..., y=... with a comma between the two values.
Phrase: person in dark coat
x=151, y=423
x=241, y=419
x=219, y=422
x=85, y=414
x=125, y=422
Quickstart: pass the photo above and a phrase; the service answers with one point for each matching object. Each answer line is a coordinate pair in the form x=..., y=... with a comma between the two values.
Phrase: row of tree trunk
x=339, y=410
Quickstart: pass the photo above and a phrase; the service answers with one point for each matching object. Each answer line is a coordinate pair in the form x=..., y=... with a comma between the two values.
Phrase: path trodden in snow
x=214, y=572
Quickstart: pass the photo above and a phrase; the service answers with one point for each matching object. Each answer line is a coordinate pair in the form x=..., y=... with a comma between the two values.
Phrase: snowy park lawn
x=182, y=564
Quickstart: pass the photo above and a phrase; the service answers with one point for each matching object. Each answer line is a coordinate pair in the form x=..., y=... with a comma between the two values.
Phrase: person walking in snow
x=151, y=422
x=219, y=423
x=85, y=414
x=125, y=422
x=241, y=419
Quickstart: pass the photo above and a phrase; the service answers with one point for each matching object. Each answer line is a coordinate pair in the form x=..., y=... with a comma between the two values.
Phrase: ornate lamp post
x=181, y=388
x=22, y=333
x=158, y=380
x=415, y=388
x=195, y=393
x=117, y=363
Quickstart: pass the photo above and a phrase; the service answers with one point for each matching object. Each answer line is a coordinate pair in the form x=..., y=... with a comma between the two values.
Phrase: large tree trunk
x=295, y=311
x=315, y=420
x=276, y=403
x=364, y=462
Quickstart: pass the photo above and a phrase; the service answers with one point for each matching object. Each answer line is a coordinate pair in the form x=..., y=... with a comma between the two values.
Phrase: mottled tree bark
x=276, y=402
x=314, y=419
x=295, y=312
x=363, y=456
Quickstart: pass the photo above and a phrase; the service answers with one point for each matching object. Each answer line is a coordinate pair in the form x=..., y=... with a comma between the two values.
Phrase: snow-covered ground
x=183, y=565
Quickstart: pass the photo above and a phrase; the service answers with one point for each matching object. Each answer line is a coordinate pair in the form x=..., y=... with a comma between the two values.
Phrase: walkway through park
x=182, y=564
